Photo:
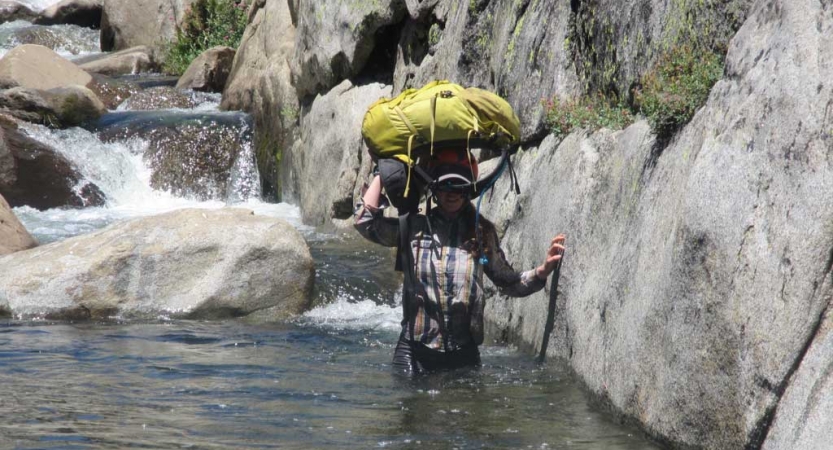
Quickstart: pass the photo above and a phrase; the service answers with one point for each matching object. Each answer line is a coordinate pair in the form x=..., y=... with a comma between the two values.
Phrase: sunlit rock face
x=13, y=235
x=335, y=40
x=128, y=23
x=260, y=84
x=333, y=153
x=133, y=60
x=209, y=72
x=38, y=67
x=696, y=291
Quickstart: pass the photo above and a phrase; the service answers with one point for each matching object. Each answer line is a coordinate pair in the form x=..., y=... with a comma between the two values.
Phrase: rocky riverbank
x=199, y=264
x=696, y=297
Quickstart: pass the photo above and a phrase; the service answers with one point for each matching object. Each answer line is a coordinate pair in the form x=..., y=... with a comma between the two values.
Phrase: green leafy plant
x=289, y=112
x=589, y=113
x=434, y=34
x=677, y=86
x=207, y=23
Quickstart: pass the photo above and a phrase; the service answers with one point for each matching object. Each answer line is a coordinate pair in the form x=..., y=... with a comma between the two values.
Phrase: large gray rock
x=324, y=163
x=59, y=108
x=697, y=285
x=13, y=235
x=195, y=264
x=335, y=40
x=84, y=13
x=35, y=175
x=130, y=61
x=26, y=104
x=805, y=415
x=37, y=67
x=260, y=83
x=130, y=23
x=209, y=71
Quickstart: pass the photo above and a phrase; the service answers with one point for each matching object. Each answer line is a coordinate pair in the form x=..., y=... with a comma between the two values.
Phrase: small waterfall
x=123, y=156
x=117, y=168
x=244, y=182
x=118, y=165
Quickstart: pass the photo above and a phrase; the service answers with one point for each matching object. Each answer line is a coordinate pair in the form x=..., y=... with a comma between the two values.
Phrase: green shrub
x=589, y=113
x=207, y=23
x=676, y=87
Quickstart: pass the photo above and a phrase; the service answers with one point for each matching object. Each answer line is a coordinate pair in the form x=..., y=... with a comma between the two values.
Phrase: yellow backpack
x=437, y=115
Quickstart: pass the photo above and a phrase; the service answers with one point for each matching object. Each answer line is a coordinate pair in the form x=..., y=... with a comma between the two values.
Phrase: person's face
x=451, y=202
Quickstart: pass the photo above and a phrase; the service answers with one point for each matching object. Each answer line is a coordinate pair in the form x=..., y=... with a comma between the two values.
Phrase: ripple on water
x=179, y=384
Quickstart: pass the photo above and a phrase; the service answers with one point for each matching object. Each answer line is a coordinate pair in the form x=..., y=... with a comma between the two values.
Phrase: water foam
x=69, y=41
x=119, y=170
x=38, y=5
x=349, y=313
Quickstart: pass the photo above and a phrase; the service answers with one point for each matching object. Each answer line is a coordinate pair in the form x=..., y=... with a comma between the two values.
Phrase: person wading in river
x=452, y=250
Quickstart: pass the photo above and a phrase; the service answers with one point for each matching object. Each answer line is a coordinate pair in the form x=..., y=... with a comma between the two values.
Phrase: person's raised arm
x=369, y=220
x=370, y=199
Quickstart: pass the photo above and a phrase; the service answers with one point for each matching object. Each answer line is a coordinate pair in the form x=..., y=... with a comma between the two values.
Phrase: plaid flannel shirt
x=453, y=279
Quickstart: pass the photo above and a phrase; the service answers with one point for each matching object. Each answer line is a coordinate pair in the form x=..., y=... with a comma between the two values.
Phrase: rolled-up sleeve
x=375, y=227
x=504, y=277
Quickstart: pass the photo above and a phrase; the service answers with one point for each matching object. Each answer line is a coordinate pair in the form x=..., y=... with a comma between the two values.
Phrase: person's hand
x=554, y=254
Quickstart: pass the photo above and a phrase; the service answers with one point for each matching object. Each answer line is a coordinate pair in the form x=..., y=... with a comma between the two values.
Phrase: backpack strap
x=405, y=263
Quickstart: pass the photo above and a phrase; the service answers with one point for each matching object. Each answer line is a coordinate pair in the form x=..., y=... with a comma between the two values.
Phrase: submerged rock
x=194, y=264
x=161, y=97
x=37, y=176
x=190, y=154
x=209, y=71
x=13, y=235
x=111, y=91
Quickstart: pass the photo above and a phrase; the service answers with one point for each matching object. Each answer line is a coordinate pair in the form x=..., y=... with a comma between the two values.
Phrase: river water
x=322, y=380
